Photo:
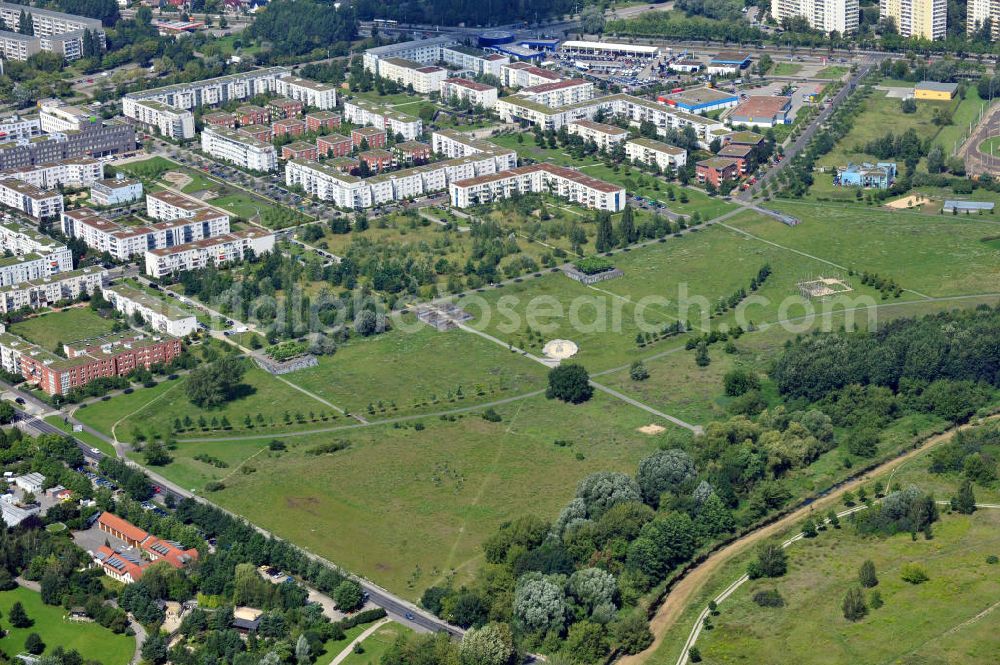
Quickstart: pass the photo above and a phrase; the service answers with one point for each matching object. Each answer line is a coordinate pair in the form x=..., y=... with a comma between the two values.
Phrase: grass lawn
x=154, y=410
x=240, y=205
x=86, y=437
x=148, y=169
x=199, y=182
x=990, y=146
x=90, y=639
x=967, y=111
x=333, y=647
x=405, y=506
x=377, y=644
x=832, y=72
x=419, y=370
x=934, y=255
x=786, y=69
x=527, y=147
x=69, y=325
x=934, y=622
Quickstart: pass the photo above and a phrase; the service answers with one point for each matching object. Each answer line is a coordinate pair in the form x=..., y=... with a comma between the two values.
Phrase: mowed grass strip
x=404, y=505
x=56, y=328
x=94, y=642
x=927, y=622
x=376, y=644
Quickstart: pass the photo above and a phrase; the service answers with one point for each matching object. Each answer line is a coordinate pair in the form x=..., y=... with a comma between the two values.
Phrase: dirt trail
x=681, y=595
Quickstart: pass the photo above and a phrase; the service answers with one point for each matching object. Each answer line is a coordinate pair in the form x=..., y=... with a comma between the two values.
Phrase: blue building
x=517, y=52
x=540, y=44
x=869, y=176
x=495, y=38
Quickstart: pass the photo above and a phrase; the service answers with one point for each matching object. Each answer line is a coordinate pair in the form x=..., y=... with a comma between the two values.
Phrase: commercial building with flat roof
x=761, y=111
x=95, y=141
x=702, y=100
x=604, y=50
x=934, y=91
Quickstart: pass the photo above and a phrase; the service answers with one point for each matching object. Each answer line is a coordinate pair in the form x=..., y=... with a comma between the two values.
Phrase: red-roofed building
x=299, y=150
x=128, y=563
x=320, y=120
x=121, y=529
x=285, y=108
x=761, y=111
x=289, y=127
x=334, y=144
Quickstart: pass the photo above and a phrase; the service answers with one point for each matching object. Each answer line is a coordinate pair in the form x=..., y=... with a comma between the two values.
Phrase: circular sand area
x=560, y=349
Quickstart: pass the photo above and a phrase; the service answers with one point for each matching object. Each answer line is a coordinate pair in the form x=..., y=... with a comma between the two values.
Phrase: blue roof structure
x=540, y=44
x=519, y=52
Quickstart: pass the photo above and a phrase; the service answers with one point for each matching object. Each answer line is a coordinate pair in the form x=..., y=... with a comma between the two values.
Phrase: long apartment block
x=34, y=255
x=78, y=172
x=311, y=93
x=169, y=121
x=160, y=314
x=363, y=112
x=32, y=201
x=209, y=92
x=563, y=182
x=94, y=141
x=217, y=250
x=52, y=32
x=47, y=291
x=245, y=151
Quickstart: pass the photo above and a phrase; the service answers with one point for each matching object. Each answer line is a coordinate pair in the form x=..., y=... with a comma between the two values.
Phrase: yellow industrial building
x=934, y=91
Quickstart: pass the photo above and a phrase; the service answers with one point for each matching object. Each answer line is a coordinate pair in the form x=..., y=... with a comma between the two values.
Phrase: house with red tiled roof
x=127, y=563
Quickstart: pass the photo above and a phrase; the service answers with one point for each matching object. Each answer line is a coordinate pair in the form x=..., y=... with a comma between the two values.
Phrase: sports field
x=93, y=641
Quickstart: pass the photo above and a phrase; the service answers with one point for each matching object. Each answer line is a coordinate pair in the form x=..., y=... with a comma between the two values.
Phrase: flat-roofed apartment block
x=218, y=251
x=335, y=145
x=55, y=116
x=547, y=178
x=559, y=93
x=424, y=79
x=979, y=11
x=85, y=361
x=363, y=112
x=475, y=93
x=603, y=135
x=474, y=59
x=917, y=18
x=523, y=75
x=115, y=191
x=47, y=291
x=649, y=151
x=17, y=126
x=220, y=119
x=453, y=144
x=169, y=121
x=328, y=183
x=319, y=120
x=209, y=92
x=51, y=31
x=32, y=201
x=15, y=46
x=251, y=114
x=823, y=15
x=231, y=146
x=424, y=51
x=28, y=267
x=42, y=256
x=158, y=313
x=311, y=93
x=285, y=108
x=95, y=141
x=79, y=172
x=373, y=136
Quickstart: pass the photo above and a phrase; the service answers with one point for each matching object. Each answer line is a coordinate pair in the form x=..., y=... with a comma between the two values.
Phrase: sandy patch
x=911, y=201
x=652, y=429
x=560, y=349
x=177, y=179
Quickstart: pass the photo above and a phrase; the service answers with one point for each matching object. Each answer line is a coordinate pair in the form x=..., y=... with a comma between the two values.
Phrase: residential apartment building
x=523, y=75
x=425, y=51
x=823, y=15
x=289, y=127
x=559, y=93
x=15, y=46
x=230, y=146
x=926, y=19
x=424, y=79
x=334, y=145
x=411, y=152
x=220, y=119
x=32, y=201
x=53, y=32
x=299, y=150
x=54, y=117
x=14, y=127
x=285, y=108
x=373, y=136
x=218, y=250
x=79, y=172
x=317, y=95
x=363, y=112
x=476, y=94
x=209, y=92
x=251, y=114
x=262, y=133
x=115, y=191
x=160, y=314
x=94, y=141
x=603, y=135
x=649, y=151
x=318, y=121
x=565, y=183
x=169, y=121
x=717, y=169
x=980, y=11
x=47, y=291
x=475, y=60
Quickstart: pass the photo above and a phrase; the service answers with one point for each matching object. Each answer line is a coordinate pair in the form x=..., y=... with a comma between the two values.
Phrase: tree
x=493, y=644
x=303, y=652
x=965, y=501
x=539, y=603
x=592, y=587
x=7, y=412
x=154, y=649
x=586, y=642
x=638, y=371
x=664, y=470
x=632, y=634
x=600, y=491
x=866, y=574
x=908, y=105
x=605, y=240
x=215, y=384
x=701, y=357
x=935, y=160
x=33, y=644
x=627, y=233
x=771, y=561
x=18, y=617
x=854, y=605
x=913, y=573
x=348, y=596
x=569, y=383
x=809, y=529
x=156, y=454
x=592, y=19
x=740, y=381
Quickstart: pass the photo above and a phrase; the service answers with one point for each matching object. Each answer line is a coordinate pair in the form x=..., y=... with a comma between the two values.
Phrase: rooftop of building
x=149, y=301
x=936, y=86
x=740, y=150
x=748, y=138
x=659, y=146
x=601, y=127
x=308, y=83
x=555, y=85
x=559, y=171
x=718, y=163
x=637, y=48
x=299, y=146
x=380, y=51
x=214, y=241
x=54, y=279
x=471, y=85
x=731, y=58
x=761, y=106
x=703, y=95
x=252, y=74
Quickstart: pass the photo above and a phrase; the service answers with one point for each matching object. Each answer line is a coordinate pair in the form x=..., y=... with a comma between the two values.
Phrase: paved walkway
x=349, y=649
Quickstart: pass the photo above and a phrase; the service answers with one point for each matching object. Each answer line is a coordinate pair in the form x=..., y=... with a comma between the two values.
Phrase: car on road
x=409, y=616
x=20, y=400
x=95, y=451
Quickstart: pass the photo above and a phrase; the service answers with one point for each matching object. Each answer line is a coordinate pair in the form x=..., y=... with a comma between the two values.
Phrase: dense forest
x=470, y=12
x=294, y=28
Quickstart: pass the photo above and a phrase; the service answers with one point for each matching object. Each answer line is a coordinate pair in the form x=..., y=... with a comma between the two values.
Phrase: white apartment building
x=523, y=75
x=560, y=181
x=219, y=250
x=115, y=191
x=32, y=201
x=651, y=152
x=231, y=146
x=159, y=314
x=209, y=92
x=363, y=112
x=559, y=93
x=328, y=183
x=605, y=136
x=477, y=94
x=16, y=127
x=47, y=291
x=927, y=19
x=978, y=11
x=14, y=46
x=20, y=238
x=170, y=121
x=311, y=93
x=474, y=59
x=823, y=15
x=168, y=206
x=425, y=51
x=53, y=32
x=424, y=79
x=78, y=172
x=55, y=117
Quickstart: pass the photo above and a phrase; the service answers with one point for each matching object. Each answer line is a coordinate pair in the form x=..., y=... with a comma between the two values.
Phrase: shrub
x=913, y=573
x=593, y=265
x=740, y=381
x=329, y=447
x=866, y=574
x=992, y=559
x=214, y=486
x=769, y=598
x=771, y=561
x=854, y=605
x=491, y=415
